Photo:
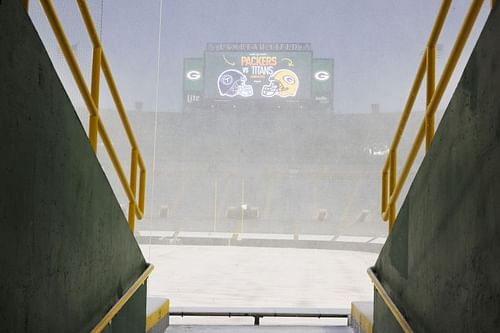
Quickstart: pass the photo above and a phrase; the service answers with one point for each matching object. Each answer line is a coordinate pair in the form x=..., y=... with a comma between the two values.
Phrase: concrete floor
x=258, y=277
x=257, y=329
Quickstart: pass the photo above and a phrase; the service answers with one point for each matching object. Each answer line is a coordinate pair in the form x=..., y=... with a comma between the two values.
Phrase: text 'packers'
x=259, y=61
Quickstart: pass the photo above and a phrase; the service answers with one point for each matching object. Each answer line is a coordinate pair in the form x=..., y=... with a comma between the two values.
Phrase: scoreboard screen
x=269, y=75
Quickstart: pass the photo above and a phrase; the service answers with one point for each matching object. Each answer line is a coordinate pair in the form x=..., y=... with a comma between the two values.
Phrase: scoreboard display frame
x=272, y=75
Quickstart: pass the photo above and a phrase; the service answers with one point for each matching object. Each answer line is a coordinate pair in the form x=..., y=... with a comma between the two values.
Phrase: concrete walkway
x=257, y=329
x=258, y=277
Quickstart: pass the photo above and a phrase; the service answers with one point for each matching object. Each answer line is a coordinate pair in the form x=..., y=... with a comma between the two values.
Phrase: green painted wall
x=441, y=263
x=66, y=253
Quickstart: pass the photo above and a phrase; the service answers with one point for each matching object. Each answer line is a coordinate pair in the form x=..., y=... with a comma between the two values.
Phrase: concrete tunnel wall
x=66, y=252
x=441, y=263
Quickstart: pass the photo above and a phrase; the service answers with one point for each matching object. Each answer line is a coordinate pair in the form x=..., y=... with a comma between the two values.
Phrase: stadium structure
x=299, y=171
x=239, y=161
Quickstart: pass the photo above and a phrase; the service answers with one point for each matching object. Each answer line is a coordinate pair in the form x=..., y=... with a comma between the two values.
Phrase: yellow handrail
x=91, y=99
x=108, y=317
x=389, y=303
x=391, y=184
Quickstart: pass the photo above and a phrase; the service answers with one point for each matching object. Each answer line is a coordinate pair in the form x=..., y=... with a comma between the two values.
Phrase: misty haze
x=264, y=127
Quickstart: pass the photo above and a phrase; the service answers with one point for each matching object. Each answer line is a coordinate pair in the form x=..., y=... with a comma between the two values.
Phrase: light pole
x=215, y=205
x=243, y=205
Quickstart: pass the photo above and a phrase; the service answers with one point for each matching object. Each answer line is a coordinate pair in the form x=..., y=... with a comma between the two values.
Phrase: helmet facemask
x=283, y=83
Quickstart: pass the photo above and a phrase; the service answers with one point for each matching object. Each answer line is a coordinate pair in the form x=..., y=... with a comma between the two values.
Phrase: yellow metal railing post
x=399, y=131
x=385, y=180
x=493, y=3
x=142, y=189
x=133, y=188
x=431, y=83
x=26, y=4
x=430, y=58
x=94, y=91
x=455, y=53
x=65, y=46
x=392, y=187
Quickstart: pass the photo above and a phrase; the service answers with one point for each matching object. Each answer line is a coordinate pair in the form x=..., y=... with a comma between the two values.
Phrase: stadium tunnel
x=70, y=243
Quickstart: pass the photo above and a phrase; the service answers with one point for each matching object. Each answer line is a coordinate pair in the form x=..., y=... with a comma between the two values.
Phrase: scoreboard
x=273, y=73
x=258, y=75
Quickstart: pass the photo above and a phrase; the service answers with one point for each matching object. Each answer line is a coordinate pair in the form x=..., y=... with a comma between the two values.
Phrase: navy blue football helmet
x=232, y=83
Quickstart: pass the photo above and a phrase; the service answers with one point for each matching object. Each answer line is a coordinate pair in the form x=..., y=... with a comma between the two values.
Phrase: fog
x=248, y=180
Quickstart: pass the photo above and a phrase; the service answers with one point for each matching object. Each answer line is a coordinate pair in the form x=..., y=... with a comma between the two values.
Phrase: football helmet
x=282, y=83
x=232, y=83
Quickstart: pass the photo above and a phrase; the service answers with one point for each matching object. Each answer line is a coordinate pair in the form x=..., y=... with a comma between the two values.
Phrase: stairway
x=66, y=251
x=440, y=264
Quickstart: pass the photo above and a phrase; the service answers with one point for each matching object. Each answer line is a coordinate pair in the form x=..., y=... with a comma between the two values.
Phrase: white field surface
x=218, y=276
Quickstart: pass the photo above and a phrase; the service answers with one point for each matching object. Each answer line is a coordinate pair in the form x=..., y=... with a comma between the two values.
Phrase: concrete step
x=157, y=314
x=362, y=317
x=256, y=329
